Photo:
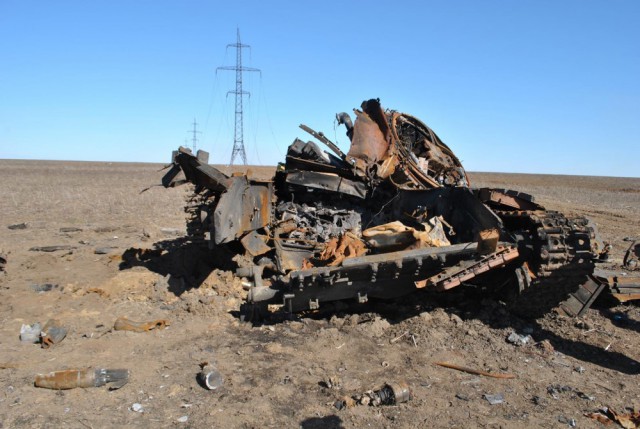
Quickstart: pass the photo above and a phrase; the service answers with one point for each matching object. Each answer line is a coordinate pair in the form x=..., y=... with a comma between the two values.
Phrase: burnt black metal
x=304, y=231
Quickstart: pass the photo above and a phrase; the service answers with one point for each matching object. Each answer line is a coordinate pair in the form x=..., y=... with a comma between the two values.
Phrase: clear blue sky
x=510, y=86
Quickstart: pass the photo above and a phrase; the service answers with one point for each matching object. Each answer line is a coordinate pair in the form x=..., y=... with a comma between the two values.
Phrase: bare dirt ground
x=276, y=375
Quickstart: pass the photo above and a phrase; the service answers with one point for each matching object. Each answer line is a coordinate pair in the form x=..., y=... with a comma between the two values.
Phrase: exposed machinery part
x=631, y=259
x=393, y=215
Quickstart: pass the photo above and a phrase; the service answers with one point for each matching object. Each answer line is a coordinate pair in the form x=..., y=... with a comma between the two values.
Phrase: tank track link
x=560, y=257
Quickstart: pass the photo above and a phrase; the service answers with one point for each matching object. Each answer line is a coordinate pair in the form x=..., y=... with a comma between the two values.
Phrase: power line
x=194, y=138
x=238, y=138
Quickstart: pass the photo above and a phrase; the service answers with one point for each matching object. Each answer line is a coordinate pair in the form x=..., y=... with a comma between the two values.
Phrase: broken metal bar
x=320, y=136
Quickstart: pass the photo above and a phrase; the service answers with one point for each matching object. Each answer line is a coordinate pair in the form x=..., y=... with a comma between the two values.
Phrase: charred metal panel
x=327, y=182
x=507, y=199
x=244, y=207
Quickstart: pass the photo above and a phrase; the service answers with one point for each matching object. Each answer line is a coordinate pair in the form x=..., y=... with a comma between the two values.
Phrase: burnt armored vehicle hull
x=394, y=215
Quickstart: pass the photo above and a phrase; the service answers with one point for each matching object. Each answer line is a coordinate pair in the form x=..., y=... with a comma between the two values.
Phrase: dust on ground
x=126, y=257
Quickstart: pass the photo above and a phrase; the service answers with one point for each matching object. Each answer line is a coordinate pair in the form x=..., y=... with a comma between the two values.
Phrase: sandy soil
x=287, y=373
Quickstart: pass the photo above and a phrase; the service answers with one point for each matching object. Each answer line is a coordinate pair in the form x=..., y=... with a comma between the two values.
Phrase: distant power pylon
x=238, y=139
x=194, y=138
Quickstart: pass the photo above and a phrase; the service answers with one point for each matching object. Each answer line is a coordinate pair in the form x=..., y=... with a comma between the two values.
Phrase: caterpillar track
x=559, y=253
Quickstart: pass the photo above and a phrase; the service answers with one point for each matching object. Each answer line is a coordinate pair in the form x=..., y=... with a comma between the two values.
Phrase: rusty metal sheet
x=327, y=182
x=510, y=199
x=454, y=276
x=369, y=143
x=255, y=244
x=246, y=206
x=291, y=257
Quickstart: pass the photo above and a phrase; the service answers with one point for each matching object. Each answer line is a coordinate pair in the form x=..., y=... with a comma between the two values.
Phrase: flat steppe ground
x=276, y=375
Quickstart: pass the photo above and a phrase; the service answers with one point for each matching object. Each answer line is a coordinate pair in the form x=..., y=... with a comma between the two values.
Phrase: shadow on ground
x=187, y=265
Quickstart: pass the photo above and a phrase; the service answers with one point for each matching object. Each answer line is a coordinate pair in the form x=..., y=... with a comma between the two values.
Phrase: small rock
x=18, y=226
x=579, y=369
x=137, y=408
x=518, y=340
x=426, y=316
x=183, y=419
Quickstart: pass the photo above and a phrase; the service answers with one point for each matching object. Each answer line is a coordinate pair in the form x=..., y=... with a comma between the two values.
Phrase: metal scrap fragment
x=124, y=324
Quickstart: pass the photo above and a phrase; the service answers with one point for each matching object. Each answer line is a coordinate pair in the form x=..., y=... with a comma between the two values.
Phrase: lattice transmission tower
x=194, y=138
x=238, y=139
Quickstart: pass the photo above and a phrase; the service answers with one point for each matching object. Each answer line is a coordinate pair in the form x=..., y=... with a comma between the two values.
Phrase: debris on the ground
x=388, y=394
x=475, y=371
x=496, y=399
x=51, y=248
x=68, y=229
x=209, y=376
x=30, y=333
x=182, y=419
x=344, y=402
x=104, y=250
x=606, y=415
x=44, y=287
x=333, y=382
x=3, y=261
x=519, y=340
x=124, y=324
x=14, y=226
x=556, y=389
x=72, y=378
x=138, y=408
x=52, y=333
x=568, y=421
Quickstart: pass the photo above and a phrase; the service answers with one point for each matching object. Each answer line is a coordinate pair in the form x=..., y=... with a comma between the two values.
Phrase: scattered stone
x=555, y=390
x=571, y=422
x=519, y=340
x=183, y=419
x=138, y=408
x=579, y=369
x=18, y=226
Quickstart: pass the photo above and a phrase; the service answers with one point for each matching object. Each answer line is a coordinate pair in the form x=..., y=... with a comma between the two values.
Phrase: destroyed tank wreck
x=394, y=215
